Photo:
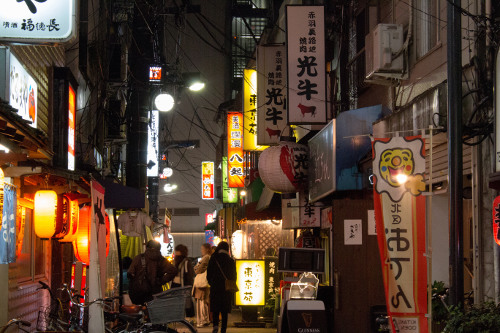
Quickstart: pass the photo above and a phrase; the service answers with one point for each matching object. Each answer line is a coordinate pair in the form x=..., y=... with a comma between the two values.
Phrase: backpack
x=140, y=289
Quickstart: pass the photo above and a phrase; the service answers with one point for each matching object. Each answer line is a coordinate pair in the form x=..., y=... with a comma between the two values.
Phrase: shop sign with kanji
x=235, y=158
x=37, y=21
x=399, y=180
x=271, y=92
x=250, y=117
x=208, y=180
x=306, y=64
x=251, y=281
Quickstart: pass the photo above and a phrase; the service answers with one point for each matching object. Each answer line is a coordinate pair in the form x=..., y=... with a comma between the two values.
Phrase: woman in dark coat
x=220, y=299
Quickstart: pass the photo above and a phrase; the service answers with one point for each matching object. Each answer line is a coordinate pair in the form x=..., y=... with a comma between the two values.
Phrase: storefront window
x=31, y=256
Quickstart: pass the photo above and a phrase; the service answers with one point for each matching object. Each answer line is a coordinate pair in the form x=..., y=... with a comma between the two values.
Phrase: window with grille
x=426, y=26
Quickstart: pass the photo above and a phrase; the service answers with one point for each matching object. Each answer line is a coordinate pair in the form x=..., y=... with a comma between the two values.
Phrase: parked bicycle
x=165, y=313
x=51, y=318
x=16, y=322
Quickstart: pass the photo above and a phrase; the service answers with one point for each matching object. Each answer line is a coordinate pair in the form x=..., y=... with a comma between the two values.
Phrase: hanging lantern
x=71, y=213
x=81, y=243
x=284, y=168
x=82, y=240
x=47, y=209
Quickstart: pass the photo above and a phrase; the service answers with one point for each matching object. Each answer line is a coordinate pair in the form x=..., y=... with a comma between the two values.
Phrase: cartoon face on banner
x=396, y=169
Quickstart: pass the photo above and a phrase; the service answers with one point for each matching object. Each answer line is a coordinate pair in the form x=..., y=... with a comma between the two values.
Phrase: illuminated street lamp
x=169, y=187
x=164, y=102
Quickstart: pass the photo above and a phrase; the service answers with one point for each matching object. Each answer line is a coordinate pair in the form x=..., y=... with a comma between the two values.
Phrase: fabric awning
x=121, y=196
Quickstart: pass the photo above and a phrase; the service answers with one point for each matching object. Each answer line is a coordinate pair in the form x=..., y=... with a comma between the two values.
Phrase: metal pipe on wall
x=455, y=160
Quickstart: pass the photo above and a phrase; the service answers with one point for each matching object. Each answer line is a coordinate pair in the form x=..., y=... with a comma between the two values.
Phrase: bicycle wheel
x=182, y=326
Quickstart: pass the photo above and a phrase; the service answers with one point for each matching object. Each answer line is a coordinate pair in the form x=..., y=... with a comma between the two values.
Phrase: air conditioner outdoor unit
x=381, y=46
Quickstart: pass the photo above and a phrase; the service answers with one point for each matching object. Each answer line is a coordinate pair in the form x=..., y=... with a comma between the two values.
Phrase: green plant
x=440, y=312
x=480, y=318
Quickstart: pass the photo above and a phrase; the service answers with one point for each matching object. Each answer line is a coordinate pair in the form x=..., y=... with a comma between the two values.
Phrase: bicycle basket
x=175, y=292
x=168, y=309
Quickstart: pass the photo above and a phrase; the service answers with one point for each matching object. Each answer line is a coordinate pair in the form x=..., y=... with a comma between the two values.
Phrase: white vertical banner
x=97, y=264
x=306, y=64
x=271, y=93
x=153, y=146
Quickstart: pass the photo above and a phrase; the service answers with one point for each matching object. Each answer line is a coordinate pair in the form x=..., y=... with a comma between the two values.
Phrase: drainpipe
x=496, y=248
x=455, y=159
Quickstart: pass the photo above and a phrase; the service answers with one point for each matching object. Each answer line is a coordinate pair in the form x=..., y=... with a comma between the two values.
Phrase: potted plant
x=440, y=312
x=479, y=318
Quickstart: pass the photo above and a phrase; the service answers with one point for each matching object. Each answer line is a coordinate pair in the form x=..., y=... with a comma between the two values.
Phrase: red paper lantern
x=283, y=168
x=71, y=214
x=81, y=244
x=496, y=220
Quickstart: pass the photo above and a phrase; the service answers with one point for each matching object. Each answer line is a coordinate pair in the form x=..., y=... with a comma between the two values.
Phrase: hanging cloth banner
x=399, y=167
x=8, y=230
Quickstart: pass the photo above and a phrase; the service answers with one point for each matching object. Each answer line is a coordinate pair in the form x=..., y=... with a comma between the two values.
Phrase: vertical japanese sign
x=271, y=89
x=71, y=127
x=23, y=91
x=399, y=167
x=310, y=215
x=152, y=153
x=272, y=277
x=36, y=21
x=236, y=176
x=251, y=282
x=229, y=195
x=207, y=181
x=250, y=110
x=8, y=229
x=97, y=264
x=306, y=64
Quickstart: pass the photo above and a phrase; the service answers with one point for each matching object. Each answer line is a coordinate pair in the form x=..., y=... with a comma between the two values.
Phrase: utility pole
x=140, y=56
x=455, y=163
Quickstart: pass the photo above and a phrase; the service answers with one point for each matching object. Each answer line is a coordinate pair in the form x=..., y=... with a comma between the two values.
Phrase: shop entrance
x=357, y=273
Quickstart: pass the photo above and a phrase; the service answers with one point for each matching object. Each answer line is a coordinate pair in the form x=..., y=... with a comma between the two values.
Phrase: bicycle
x=166, y=313
x=51, y=318
x=17, y=322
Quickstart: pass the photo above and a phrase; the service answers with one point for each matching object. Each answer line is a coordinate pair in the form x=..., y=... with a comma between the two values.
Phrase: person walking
x=185, y=274
x=148, y=272
x=201, y=288
x=221, y=267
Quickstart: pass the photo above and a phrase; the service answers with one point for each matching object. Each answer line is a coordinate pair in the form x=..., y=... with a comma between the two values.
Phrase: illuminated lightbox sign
x=153, y=145
x=71, y=128
x=23, y=91
x=251, y=281
x=208, y=180
x=235, y=159
x=37, y=21
x=154, y=73
x=229, y=195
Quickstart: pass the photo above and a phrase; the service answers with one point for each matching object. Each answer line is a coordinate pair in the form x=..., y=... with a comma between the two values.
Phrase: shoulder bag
x=230, y=285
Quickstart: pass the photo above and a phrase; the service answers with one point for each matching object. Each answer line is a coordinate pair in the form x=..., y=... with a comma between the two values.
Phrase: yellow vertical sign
x=250, y=110
x=251, y=281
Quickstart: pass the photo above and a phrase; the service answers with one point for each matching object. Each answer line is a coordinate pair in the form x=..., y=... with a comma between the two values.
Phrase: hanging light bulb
x=164, y=102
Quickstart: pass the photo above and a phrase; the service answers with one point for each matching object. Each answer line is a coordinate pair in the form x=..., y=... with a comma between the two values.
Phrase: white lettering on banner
x=406, y=324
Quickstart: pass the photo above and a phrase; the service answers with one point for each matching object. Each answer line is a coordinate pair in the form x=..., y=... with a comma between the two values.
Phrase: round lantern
x=81, y=243
x=237, y=244
x=70, y=215
x=283, y=168
x=82, y=240
x=47, y=209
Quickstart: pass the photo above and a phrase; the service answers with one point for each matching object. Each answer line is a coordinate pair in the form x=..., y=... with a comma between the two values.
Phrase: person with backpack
x=148, y=272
